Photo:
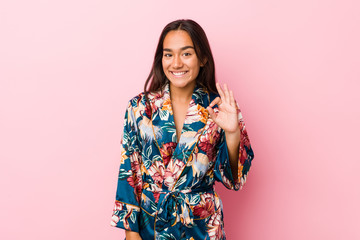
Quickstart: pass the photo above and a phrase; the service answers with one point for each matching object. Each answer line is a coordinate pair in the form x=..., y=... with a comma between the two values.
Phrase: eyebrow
x=182, y=49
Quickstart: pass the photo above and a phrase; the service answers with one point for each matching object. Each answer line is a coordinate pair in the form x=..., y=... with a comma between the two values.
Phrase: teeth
x=178, y=73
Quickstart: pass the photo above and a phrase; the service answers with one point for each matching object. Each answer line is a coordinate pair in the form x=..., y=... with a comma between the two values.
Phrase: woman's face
x=180, y=62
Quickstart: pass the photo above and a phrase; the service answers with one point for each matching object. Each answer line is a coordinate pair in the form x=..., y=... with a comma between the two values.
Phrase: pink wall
x=67, y=69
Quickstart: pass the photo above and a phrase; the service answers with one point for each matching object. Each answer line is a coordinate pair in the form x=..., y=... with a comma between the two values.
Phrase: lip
x=172, y=72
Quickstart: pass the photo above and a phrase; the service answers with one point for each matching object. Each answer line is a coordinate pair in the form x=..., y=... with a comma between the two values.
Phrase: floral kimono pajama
x=165, y=188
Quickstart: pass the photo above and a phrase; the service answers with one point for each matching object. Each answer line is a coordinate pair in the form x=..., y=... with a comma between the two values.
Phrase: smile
x=179, y=73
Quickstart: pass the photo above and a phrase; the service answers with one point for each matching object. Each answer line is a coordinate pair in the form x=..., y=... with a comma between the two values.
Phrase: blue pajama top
x=165, y=188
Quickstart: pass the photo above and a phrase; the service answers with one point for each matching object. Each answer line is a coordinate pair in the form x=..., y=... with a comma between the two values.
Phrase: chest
x=179, y=112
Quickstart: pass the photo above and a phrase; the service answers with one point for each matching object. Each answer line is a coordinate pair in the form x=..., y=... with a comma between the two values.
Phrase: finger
x=217, y=101
x=211, y=113
x=232, y=99
x=227, y=94
x=221, y=93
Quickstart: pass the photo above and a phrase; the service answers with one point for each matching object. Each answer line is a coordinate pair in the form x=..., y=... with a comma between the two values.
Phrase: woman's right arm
x=126, y=211
x=130, y=235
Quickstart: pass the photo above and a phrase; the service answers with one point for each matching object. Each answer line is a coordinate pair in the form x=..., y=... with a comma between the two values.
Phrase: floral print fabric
x=165, y=188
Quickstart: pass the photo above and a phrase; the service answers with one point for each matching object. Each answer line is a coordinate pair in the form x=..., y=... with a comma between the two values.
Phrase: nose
x=177, y=63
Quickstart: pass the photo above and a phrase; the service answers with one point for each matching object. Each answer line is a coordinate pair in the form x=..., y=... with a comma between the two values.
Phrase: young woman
x=180, y=135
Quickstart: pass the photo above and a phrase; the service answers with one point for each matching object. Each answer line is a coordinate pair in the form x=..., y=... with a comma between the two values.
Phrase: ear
x=202, y=63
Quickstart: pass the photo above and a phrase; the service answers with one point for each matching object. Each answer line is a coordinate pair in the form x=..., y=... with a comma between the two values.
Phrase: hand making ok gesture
x=226, y=118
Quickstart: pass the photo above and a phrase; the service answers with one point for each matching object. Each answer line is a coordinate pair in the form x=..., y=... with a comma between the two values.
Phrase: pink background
x=68, y=68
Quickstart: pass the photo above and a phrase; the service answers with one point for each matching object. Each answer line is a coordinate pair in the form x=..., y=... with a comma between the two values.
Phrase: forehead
x=177, y=39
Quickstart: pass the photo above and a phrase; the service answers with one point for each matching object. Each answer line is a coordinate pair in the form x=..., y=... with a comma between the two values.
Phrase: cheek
x=164, y=63
x=195, y=68
x=195, y=65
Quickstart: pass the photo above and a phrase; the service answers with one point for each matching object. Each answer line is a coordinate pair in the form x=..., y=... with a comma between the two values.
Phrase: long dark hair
x=206, y=76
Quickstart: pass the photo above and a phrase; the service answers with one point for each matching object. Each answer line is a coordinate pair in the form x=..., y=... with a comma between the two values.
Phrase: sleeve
x=129, y=186
x=222, y=168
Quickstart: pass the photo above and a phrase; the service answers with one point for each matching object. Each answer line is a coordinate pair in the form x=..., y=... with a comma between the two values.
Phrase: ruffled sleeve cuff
x=125, y=216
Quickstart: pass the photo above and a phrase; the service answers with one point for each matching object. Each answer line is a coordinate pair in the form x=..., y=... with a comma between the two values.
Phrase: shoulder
x=137, y=105
x=140, y=101
x=213, y=95
x=137, y=101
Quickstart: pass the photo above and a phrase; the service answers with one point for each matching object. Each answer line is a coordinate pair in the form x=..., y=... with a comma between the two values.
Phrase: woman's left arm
x=229, y=119
x=233, y=144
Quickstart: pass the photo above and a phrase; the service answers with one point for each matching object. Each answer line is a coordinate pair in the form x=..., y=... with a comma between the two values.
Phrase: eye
x=167, y=55
x=187, y=54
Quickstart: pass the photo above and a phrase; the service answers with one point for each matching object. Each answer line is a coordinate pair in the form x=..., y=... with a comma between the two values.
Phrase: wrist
x=234, y=135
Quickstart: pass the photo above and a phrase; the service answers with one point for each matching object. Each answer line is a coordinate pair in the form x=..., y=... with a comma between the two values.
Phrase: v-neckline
x=177, y=138
x=193, y=126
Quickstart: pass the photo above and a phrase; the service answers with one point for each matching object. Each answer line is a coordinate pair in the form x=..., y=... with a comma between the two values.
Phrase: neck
x=182, y=95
